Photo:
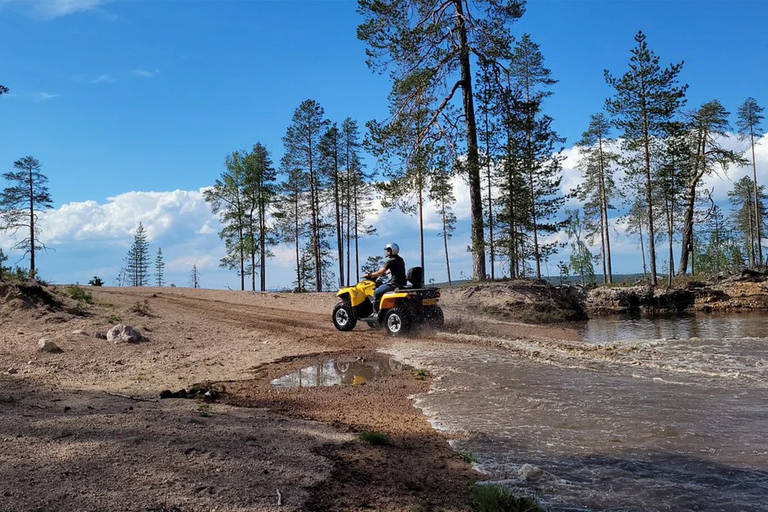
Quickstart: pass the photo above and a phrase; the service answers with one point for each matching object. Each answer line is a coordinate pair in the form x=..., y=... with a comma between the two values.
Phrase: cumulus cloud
x=173, y=214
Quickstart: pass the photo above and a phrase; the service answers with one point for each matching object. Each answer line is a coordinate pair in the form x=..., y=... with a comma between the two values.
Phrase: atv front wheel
x=397, y=321
x=344, y=317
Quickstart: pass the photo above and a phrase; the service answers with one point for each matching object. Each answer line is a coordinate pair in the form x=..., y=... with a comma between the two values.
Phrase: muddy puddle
x=334, y=372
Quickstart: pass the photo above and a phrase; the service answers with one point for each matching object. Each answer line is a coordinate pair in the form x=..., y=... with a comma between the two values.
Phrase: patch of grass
x=421, y=374
x=375, y=438
x=467, y=457
x=495, y=498
x=80, y=294
x=142, y=308
x=113, y=319
x=204, y=410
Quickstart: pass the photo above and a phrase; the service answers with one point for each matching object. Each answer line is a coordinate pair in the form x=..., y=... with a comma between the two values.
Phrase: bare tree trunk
x=445, y=246
x=649, y=200
x=757, y=209
x=475, y=192
x=32, y=271
x=642, y=252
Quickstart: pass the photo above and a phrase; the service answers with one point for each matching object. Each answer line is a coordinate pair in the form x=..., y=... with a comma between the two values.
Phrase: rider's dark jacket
x=396, y=266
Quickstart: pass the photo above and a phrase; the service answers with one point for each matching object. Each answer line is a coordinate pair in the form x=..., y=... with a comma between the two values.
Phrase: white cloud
x=163, y=214
x=104, y=78
x=51, y=9
x=43, y=96
x=144, y=73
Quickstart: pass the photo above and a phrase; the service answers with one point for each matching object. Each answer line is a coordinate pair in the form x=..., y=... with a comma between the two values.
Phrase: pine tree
x=259, y=193
x=331, y=164
x=581, y=257
x=159, y=268
x=708, y=128
x=646, y=99
x=716, y=248
x=302, y=142
x=598, y=187
x=745, y=221
x=137, y=260
x=750, y=116
x=21, y=203
x=441, y=194
x=357, y=195
x=488, y=92
x=194, y=277
x=4, y=271
x=408, y=172
x=428, y=46
x=291, y=215
x=538, y=155
x=227, y=199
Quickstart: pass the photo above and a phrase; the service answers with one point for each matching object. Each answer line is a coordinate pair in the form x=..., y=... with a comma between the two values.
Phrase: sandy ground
x=85, y=429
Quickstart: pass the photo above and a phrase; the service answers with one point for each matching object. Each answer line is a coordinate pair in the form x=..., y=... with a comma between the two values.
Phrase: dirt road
x=85, y=429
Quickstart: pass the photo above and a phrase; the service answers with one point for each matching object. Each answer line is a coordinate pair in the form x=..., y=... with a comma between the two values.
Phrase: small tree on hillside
x=20, y=204
x=137, y=261
x=194, y=277
x=159, y=267
x=4, y=271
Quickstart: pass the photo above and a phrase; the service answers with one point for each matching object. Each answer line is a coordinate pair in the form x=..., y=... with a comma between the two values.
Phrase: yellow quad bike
x=400, y=309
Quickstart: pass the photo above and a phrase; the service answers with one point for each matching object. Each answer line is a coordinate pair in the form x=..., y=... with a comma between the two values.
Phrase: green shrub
x=375, y=438
x=495, y=498
x=467, y=457
x=79, y=294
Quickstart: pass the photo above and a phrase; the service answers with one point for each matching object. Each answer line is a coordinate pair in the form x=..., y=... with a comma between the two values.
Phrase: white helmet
x=392, y=247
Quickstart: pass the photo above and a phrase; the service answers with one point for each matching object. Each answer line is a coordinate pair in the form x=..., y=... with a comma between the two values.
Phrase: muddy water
x=642, y=415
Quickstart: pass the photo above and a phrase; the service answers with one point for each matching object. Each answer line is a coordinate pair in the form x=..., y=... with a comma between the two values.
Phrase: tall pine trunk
x=473, y=157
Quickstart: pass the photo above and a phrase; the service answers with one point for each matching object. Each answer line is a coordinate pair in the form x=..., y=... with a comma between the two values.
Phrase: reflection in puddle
x=339, y=373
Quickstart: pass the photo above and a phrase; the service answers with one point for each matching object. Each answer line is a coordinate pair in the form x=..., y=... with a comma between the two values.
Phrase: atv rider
x=395, y=265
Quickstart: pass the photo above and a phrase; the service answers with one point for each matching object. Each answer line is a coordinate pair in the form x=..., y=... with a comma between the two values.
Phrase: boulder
x=46, y=345
x=124, y=334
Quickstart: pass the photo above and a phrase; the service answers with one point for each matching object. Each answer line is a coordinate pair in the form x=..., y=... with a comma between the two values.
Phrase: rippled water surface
x=664, y=414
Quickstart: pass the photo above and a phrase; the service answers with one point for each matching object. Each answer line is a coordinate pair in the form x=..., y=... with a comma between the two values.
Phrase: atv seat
x=415, y=276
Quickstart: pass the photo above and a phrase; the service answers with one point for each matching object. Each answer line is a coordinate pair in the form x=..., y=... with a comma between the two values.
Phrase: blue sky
x=132, y=105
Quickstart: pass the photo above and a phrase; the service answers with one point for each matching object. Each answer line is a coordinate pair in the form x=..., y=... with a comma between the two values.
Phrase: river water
x=640, y=415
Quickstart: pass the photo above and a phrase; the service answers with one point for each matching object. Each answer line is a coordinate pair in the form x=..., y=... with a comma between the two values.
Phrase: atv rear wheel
x=397, y=321
x=344, y=317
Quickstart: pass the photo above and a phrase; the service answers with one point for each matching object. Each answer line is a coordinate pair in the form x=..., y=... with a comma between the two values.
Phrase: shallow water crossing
x=618, y=423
